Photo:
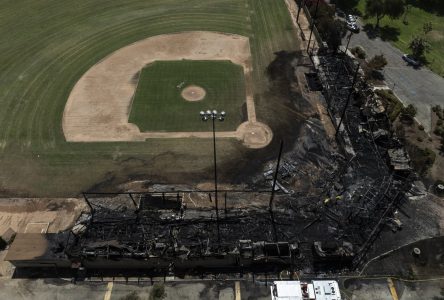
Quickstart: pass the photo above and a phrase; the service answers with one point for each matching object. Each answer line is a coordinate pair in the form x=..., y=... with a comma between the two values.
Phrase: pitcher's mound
x=193, y=93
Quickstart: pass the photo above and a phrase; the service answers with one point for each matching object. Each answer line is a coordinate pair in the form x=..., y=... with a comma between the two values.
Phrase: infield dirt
x=99, y=105
x=47, y=53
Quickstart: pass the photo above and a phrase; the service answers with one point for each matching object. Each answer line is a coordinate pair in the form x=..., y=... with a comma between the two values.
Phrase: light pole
x=313, y=19
x=213, y=115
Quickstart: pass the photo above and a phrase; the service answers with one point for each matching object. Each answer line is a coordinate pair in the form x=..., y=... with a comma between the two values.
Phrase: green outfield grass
x=159, y=106
x=47, y=45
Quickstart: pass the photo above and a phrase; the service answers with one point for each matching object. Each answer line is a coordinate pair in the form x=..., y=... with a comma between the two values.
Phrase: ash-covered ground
x=342, y=196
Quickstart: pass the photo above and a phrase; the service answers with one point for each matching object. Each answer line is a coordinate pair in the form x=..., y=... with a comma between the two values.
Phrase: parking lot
x=418, y=86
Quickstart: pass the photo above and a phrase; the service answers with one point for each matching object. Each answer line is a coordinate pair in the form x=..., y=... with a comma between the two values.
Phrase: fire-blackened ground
x=279, y=105
x=335, y=194
x=330, y=194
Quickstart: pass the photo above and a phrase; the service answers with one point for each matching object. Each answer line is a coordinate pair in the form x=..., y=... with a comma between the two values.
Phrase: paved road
x=20, y=289
x=379, y=289
x=420, y=87
x=356, y=289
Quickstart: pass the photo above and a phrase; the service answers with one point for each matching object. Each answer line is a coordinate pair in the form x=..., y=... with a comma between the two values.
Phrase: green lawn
x=47, y=45
x=159, y=106
x=400, y=34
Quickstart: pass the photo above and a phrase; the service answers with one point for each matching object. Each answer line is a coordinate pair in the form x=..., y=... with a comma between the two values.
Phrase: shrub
x=157, y=292
x=131, y=296
x=378, y=62
x=420, y=127
x=408, y=112
x=419, y=45
x=436, y=108
x=422, y=158
x=359, y=52
x=438, y=131
x=439, y=122
x=427, y=27
x=391, y=103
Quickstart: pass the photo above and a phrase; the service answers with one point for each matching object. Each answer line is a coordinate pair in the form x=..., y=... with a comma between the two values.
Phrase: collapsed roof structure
x=358, y=188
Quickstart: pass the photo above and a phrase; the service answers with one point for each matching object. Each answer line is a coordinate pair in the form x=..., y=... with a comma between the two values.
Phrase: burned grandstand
x=351, y=193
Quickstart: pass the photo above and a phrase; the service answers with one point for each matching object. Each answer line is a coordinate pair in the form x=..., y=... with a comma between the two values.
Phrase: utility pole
x=343, y=57
x=275, y=176
x=348, y=42
x=312, y=25
x=348, y=101
x=89, y=204
x=341, y=64
x=299, y=9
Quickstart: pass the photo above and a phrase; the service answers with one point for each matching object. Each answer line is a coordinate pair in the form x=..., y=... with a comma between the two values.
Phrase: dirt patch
x=255, y=135
x=193, y=93
x=39, y=215
x=435, y=35
x=99, y=105
x=303, y=27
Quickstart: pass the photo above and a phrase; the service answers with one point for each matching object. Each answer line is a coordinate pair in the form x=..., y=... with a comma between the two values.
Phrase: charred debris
x=332, y=199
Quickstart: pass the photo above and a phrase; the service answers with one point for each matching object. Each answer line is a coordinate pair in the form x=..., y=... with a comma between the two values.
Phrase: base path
x=253, y=135
x=98, y=107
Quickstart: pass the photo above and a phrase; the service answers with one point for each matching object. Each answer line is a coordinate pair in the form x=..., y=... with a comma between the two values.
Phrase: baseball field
x=159, y=104
x=59, y=94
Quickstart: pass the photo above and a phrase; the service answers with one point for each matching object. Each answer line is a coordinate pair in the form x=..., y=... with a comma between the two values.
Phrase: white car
x=351, y=18
x=352, y=26
x=410, y=60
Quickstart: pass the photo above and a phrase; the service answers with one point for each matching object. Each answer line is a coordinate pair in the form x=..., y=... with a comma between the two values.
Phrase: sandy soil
x=99, y=105
x=193, y=93
x=304, y=25
x=35, y=215
x=253, y=135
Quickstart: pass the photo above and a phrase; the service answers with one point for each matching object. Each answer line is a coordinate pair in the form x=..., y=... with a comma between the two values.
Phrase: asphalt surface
x=418, y=86
x=405, y=290
x=15, y=289
x=356, y=289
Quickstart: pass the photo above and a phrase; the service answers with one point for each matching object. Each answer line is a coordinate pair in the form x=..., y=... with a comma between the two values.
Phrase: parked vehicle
x=351, y=18
x=353, y=27
x=410, y=60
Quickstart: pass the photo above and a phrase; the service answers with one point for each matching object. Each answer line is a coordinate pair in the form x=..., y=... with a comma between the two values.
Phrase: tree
x=419, y=45
x=375, y=8
x=332, y=31
x=359, y=52
x=427, y=27
x=381, y=8
x=394, y=8
x=408, y=112
x=378, y=62
x=346, y=5
x=374, y=67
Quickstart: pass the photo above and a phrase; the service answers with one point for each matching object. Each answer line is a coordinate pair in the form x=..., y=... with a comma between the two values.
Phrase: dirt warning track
x=98, y=107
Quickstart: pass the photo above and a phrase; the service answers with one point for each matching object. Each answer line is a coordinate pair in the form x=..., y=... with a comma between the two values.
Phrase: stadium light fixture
x=214, y=115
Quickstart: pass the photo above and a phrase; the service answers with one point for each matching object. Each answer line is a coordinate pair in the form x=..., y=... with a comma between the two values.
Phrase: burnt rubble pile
x=160, y=230
x=360, y=184
x=376, y=173
x=332, y=201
